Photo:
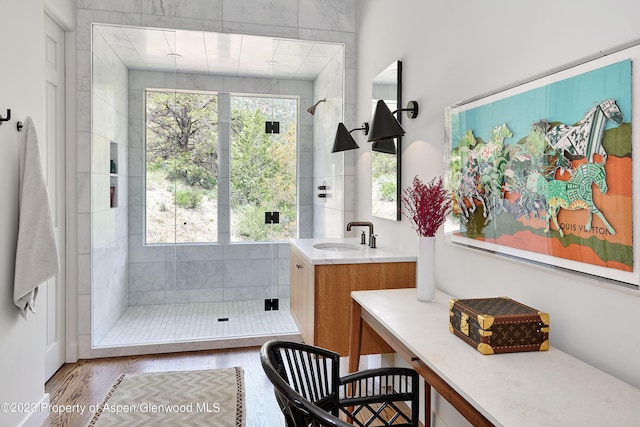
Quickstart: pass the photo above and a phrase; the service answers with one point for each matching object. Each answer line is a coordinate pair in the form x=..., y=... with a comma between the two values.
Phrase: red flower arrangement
x=426, y=205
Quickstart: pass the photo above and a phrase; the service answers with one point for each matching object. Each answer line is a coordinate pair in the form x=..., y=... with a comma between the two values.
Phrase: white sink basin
x=337, y=247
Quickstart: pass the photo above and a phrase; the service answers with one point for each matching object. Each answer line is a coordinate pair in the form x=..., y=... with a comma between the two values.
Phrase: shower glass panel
x=263, y=168
x=126, y=276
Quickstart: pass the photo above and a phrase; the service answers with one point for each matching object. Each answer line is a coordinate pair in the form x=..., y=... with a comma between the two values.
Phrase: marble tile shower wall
x=215, y=272
x=336, y=170
x=321, y=20
x=109, y=224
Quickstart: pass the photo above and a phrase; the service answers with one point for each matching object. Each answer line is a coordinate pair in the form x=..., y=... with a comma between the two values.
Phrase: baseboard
x=39, y=416
x=71, y=354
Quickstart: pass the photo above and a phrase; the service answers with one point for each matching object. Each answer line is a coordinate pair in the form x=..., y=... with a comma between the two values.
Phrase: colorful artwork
x=552, y=181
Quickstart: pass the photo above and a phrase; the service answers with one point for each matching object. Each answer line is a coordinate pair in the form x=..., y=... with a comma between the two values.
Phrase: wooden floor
x=88, y=381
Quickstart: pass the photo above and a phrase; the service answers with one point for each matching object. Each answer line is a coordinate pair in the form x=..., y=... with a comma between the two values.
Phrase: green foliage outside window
x=188, y=199
x=263, y=169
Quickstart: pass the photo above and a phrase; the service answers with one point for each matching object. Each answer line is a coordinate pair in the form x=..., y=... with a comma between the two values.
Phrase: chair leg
x=427, y=404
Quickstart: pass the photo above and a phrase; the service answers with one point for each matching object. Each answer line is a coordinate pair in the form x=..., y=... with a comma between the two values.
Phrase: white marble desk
x=547, y=388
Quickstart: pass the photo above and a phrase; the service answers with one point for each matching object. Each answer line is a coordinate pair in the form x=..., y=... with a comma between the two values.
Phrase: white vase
x=425, y=269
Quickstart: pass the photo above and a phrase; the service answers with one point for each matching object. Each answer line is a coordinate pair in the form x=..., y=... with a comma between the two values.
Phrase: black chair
x=310, y=391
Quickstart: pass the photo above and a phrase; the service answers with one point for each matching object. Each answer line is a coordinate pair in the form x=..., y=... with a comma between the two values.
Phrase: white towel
x=36, y=251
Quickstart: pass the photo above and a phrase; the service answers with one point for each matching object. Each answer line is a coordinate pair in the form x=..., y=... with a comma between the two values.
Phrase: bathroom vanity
x=323, y=274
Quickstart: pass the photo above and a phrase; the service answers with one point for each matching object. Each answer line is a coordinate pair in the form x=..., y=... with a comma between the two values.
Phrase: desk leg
x=355, y=338
x=427, y=404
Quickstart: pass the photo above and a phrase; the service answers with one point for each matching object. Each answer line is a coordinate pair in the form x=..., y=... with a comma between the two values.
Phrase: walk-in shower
x=184, y=246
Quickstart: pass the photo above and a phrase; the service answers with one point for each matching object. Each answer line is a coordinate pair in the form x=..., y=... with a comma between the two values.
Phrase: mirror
x=385, y=167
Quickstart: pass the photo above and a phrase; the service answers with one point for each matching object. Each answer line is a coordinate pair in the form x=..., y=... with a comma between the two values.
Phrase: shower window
x=181, y=166
x=263, y=168
x=182, y=149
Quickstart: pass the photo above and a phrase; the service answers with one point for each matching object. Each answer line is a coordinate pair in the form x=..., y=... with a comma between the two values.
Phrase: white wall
x=455, y=50
x=21, y=89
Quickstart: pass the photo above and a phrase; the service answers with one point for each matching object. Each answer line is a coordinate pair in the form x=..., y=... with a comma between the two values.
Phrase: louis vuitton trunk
x=499, y=325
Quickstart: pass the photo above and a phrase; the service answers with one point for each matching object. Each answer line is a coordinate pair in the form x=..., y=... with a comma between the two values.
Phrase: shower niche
x=169, y=291
x=113, y=175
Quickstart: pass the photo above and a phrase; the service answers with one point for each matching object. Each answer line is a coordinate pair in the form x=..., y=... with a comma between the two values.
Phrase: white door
x=53, y=154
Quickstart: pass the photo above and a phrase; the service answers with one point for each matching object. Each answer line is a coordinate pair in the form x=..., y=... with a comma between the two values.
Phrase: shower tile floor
x=199, y=321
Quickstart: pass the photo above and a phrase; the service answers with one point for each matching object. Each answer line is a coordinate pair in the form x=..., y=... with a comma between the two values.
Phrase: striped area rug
x=186, y=398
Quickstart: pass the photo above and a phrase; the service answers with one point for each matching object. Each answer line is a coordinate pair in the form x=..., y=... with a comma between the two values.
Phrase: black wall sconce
x=344, y=141
x=387, y=146
x=385, y=126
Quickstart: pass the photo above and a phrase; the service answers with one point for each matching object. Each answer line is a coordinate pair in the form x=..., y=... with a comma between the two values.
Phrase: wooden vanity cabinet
x=302, y=296
x=321, y=299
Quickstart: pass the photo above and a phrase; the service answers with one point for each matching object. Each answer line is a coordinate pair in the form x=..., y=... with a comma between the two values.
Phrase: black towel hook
x=19, y=125
x=6, y=119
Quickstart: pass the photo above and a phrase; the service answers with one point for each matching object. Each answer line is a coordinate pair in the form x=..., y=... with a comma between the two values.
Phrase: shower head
x=312, y=110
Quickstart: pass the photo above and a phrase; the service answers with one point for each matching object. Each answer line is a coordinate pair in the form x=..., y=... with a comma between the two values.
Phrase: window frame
x=223, y=187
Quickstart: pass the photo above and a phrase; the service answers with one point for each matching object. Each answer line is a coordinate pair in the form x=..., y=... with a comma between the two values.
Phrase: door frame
x=72, y=345
x=66, y=21
x=54, y=291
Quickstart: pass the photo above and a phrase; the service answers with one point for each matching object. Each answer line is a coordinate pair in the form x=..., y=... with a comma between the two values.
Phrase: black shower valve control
x=322, y=191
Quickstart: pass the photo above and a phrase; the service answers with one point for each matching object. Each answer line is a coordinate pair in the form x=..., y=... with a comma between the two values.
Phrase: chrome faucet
x=372, y=237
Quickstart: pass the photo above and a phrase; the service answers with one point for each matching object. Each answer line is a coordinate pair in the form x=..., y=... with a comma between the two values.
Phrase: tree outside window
x=181, y=167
